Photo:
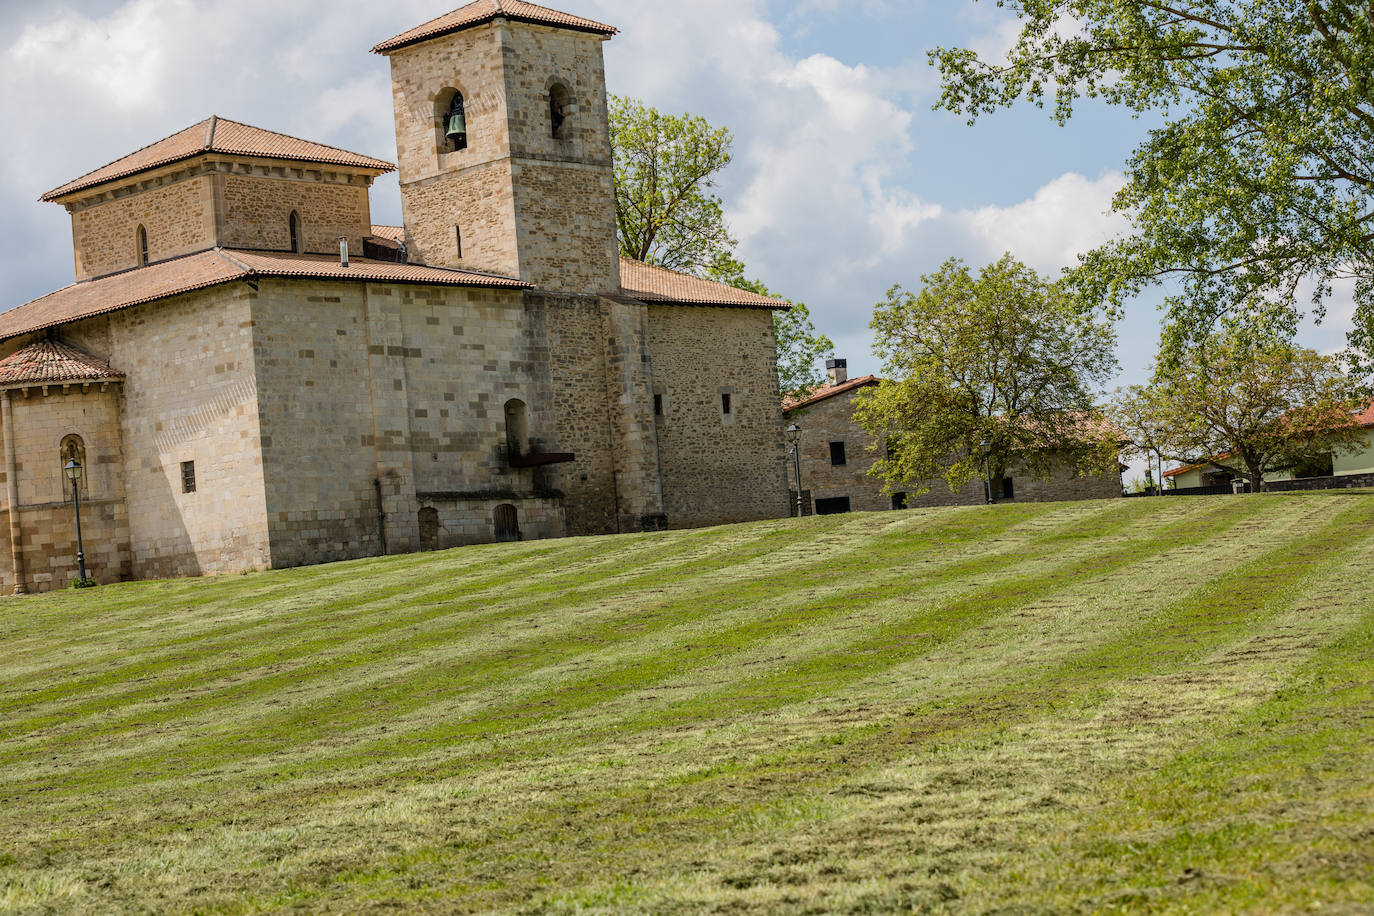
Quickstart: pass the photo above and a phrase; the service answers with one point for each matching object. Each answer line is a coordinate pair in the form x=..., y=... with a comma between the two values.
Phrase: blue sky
x=845, y=181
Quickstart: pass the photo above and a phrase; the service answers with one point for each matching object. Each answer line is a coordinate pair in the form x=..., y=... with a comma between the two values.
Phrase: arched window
x=507, y=522
x=453, y=121
x=142, y=246
x=295, y=232
x=73, y=449
x=559, y=103
x=517, y=428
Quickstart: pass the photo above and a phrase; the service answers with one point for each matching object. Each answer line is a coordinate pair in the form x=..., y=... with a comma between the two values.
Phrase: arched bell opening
x=451, y=121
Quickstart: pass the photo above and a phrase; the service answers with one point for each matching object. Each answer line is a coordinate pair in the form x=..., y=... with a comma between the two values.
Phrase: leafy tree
x=1262, y=176
x=986, y=370
x=1250, y=408
x=1138, y=412
x=665, y=170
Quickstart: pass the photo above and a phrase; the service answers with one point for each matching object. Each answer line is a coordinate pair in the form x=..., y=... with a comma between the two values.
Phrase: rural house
x=837, y=454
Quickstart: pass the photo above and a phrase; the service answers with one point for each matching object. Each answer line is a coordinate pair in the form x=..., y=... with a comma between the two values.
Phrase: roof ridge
x=175, y=133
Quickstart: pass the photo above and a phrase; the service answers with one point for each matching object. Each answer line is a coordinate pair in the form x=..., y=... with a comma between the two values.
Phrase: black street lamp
x=795, y=432
x=73, y=470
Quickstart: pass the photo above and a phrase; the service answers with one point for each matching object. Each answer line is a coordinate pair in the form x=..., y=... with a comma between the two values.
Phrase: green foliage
x=665, y=170
x=985, y=370
x=1262, y=177
x=1246, y=407
x=84, y=583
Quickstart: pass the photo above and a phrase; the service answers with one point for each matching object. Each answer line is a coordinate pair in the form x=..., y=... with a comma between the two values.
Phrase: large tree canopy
x=665, y=170
x=1245, y=407
x=985, y=371
x=1262, y=177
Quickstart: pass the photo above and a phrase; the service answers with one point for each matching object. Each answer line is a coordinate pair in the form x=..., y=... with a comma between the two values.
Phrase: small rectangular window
x=1008, y=490
x=898, y=501
x=188, y=477
x=658, y=405
x=458, y=231
x=725, y=404
x=837, y=456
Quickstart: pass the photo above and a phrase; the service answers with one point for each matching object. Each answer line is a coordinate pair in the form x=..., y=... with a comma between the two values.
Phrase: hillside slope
x=1131, y=705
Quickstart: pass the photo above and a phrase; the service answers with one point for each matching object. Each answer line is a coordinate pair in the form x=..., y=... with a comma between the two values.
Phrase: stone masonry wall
x=832, y=420
x=402, y=385
x=718, y=468
x=480, y=201
x=256, y=213
x=42, y=419
x=178, y=217
x=190, y=396
x=582, y=409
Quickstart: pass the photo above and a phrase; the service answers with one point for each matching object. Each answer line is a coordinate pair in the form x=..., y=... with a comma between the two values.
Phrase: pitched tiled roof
x=1366, y=416
x=658, y=285
x=390, y=233
x=483, y=11
x=220, y=135
x=825, y=392
x=53, y=361
x=211, y=268
x=1363, y=418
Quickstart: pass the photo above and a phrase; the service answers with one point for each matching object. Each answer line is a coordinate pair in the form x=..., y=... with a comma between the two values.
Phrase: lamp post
x=73, y=470
x=986, y=446
x=795, y=432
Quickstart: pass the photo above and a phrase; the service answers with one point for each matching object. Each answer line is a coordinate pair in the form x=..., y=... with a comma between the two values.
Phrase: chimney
x=837, y=370
x=343, y=251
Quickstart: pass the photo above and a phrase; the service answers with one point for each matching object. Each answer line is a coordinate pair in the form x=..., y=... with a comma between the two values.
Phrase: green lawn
x=1141, y=705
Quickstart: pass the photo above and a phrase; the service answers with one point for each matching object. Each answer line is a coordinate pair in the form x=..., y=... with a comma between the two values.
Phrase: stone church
x=253, y=375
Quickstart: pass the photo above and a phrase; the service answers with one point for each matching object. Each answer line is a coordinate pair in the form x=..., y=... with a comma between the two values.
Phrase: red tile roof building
x=254, y=374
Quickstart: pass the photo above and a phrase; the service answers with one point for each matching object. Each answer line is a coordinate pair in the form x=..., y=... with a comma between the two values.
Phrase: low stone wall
x=1345, y=482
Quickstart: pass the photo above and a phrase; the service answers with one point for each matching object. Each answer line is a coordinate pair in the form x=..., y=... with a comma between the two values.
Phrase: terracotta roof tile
x=220, y=135
x=483, y=11
x=658, y=285
x=825, y=392
x=211, y=268
x=390, y=233
x=53, y=361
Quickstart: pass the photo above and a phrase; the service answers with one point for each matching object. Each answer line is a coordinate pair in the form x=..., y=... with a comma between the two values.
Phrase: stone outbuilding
x=837, y=455
x=254, y=375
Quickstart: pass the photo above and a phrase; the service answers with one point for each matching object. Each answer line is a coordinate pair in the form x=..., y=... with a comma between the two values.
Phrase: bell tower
x=504, y=146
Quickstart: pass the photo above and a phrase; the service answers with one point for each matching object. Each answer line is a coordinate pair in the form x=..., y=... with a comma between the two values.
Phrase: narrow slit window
x=142, y=246
x=188, y=477
x=658, y=405
x=458, y=237
x=725, y=405
x=295, y=232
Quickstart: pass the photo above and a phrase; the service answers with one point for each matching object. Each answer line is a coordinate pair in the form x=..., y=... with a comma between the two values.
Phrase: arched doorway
x=507, y=521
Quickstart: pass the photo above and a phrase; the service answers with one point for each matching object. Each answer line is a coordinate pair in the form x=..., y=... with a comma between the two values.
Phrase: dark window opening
x=507, y=522
x=517, y=428
x=898, y=501
x=73, y=448
x=142, y=246
x=1008, y=488
x=836, y=505
x=456, y=124
x=1324, y=466
x=837, y=456
x=658, y=405
x=295, y=232
x=725, y=404
x=558, y=110
x=188, y=477
x=458, y=231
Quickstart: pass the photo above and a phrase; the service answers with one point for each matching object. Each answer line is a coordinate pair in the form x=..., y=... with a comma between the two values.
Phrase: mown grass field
x=1142, y=705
